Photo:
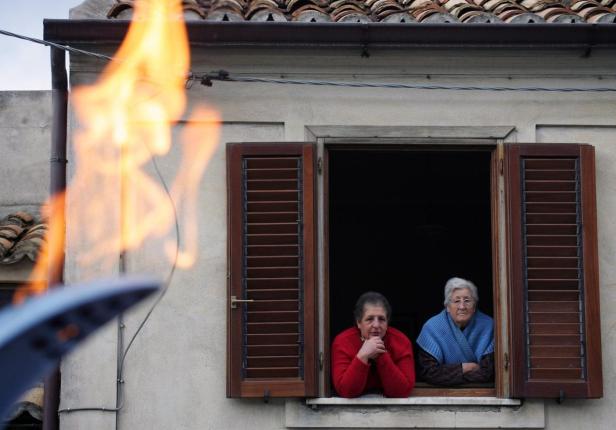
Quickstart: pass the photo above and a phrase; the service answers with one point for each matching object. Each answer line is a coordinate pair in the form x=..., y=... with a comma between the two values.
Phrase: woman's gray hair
x=458, y=284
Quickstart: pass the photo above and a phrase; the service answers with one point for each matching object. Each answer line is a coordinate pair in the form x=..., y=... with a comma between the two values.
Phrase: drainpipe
x=57, y=184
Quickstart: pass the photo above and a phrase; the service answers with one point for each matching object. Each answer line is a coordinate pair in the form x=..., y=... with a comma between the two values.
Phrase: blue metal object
x=35, y=335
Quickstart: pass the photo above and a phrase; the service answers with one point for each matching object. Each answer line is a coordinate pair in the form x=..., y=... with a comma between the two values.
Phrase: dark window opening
x=402, y=222
x=6, y=293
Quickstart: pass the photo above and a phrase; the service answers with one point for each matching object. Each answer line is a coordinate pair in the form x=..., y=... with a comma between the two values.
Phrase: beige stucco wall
x=25, y=133
x=175, y=372
x=25, y=141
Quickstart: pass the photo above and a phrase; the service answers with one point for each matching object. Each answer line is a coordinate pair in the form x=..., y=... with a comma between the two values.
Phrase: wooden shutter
x=271, y=330
x=553, y=271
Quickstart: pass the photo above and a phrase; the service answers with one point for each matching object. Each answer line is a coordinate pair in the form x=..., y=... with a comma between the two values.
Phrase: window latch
x=506, y=361
x=319, y=165
x=235, y=301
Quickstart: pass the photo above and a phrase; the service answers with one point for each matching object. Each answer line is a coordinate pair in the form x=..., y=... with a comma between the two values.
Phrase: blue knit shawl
x=443, y=339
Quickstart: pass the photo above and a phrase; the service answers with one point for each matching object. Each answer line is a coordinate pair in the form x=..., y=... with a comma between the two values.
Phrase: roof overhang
x=293, y=34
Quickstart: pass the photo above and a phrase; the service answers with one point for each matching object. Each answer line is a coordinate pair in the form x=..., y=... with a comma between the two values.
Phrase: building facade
x=418, y=169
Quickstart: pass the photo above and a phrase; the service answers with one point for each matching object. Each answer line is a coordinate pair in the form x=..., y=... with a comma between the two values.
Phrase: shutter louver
x=272, y=264
x=272, y=270
x=553, y=271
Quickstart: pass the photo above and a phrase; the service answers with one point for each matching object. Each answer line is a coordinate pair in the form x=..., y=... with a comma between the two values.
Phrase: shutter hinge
x=321, y=360
x=266, y=395
x=506, y=361
x=319, y=165
x=501, y=166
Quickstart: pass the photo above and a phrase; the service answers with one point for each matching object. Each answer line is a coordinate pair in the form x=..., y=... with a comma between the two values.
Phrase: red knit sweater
x=393, y=371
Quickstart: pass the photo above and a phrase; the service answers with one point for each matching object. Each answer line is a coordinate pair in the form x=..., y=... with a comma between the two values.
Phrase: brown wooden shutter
x=553, y=271
x=271, y=332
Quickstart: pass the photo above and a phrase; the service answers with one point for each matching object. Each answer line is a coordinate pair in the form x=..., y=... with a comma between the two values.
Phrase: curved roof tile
x=396, y=11
x=195, y=6
x=20, y=237
x=399, y=18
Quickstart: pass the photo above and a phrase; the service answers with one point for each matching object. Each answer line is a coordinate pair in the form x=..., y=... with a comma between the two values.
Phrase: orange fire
x=124, y=121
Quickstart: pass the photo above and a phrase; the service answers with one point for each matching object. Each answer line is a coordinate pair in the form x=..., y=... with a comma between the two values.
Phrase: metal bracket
x=266, y=395
x=364, y=51
x=235, y=301
x=561, y=397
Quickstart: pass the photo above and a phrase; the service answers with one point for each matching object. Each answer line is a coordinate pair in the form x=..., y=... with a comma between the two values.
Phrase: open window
x=402, y=220
x=7, y=289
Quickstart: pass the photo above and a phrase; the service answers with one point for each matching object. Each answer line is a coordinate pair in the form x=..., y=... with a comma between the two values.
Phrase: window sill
x=415, y=412
x=379, y=400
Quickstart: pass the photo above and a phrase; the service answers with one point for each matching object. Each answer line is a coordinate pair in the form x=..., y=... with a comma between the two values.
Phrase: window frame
x=423, y=138
x=456, y=145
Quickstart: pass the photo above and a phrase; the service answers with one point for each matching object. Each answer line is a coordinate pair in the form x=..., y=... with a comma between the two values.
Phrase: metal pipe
x=57, y=184
x=120, y=351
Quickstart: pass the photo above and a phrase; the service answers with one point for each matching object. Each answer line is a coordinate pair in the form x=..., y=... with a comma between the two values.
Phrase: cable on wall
x=207, y=79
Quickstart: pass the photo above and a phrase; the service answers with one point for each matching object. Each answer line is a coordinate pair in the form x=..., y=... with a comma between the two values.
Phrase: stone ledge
x=529, y=414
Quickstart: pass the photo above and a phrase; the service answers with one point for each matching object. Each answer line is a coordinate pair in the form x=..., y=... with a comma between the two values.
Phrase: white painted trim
x=378, y=400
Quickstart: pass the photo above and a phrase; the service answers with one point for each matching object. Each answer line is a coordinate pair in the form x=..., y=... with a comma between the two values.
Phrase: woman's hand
x=371, y=349
x=469, y=367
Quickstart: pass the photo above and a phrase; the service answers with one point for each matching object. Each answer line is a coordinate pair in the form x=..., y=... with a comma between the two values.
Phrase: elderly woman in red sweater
x=372, y=356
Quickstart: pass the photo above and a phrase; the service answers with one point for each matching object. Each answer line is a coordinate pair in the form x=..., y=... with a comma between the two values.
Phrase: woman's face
x=461, y=306
x=373, y=322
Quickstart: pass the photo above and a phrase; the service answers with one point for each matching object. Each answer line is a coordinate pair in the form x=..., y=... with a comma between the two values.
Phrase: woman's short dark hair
x=371, y=298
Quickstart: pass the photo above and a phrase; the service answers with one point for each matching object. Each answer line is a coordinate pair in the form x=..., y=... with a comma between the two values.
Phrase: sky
x=25, y=65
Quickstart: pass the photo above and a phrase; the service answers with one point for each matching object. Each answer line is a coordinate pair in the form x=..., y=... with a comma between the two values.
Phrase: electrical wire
x=56, y=45
x=173, y=266
x=158, y=299
x=224, y=76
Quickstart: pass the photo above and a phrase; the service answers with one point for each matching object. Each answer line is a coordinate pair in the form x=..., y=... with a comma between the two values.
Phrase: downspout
x=57, y=184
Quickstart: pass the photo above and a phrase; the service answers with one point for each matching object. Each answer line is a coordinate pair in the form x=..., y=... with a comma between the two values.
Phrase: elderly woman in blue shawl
x=457, y=345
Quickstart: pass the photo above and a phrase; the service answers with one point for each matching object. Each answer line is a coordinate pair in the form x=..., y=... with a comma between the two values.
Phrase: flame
x=125, y=120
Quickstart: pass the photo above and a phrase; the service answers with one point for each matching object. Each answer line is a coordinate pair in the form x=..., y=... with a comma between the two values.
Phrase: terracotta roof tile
x=310, y=13
x=398, y=11
x=20, y=237
x=196, y=6
x=399, y=18
x=592, y=11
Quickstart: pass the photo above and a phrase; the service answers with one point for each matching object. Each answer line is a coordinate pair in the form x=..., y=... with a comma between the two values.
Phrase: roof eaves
x=84, y=32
